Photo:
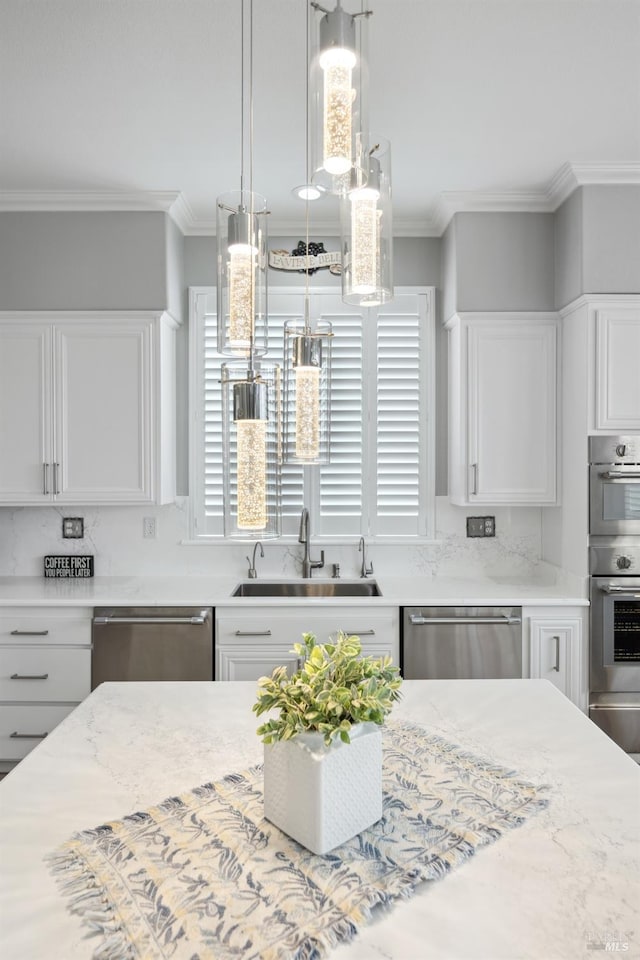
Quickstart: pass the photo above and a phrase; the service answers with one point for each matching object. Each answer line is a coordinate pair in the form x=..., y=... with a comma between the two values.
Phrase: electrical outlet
x=73, y=528
x=481, y=526
x=149, y=528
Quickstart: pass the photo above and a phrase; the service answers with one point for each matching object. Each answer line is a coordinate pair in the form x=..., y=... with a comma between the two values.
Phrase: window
x=380, y=482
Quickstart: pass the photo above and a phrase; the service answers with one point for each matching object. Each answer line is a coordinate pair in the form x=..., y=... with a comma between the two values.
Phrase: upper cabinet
x=617, y=367
x=502, y=408
x=87, y=408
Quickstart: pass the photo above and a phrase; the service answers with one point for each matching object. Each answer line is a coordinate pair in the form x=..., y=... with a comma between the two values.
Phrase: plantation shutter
x=380, y=479
x=212, y=421
x=400, y=414
x=340, y=495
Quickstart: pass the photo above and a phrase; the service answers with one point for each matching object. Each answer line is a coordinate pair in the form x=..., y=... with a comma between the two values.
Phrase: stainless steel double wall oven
x=614, y=555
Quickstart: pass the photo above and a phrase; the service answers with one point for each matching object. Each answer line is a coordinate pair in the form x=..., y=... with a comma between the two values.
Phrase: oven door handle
x=611, y=588
x=613, y=706
x=195, y=621
x=619, y=475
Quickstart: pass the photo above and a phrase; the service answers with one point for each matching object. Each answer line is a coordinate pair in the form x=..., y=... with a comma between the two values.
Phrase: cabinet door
x=103, y=417
x=617, y=364
x=512, y=412
x=252, y=661
x=25, y=413
x=557, y=656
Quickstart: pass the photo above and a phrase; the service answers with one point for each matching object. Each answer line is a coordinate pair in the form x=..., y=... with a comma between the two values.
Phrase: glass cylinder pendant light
x=307, y=380
x=338, y=93
x=251, y=445
x=242, y=273
x=366, y=229
x=251, y=388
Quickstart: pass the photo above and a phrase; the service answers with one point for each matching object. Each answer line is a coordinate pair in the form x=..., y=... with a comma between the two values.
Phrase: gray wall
x=568, y=242
x=598, y=242
x=504, y=261
x=83, y=261
x=611, y=232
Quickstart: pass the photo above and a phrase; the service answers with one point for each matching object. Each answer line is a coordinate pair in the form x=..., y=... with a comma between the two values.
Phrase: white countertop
x=214, y=591
x=569, y=876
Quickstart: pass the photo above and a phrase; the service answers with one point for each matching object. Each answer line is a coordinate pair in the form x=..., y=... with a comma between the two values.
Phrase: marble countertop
x=563, y=884
x=214, y=591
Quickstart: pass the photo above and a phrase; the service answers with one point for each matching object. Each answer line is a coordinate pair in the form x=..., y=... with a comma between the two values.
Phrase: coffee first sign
x=68, y=567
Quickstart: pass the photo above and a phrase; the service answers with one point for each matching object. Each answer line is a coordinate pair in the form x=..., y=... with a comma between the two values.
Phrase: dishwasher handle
x=417, y=621
x=195, y=621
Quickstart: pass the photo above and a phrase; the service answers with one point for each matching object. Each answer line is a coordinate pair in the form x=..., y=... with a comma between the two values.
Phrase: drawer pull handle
x=26, y=736
x=29, y=633
x=360, y=633
x=253, y=633
x=557, y=663
x=27, y=676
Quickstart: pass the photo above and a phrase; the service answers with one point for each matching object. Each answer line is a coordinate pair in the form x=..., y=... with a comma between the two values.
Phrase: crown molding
x=87, y=200
x=543, y=199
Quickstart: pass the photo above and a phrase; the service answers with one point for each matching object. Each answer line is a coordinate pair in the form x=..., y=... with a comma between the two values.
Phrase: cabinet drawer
x=290, y=625
x=55, y=627
x=44, y=673
x=22, y=727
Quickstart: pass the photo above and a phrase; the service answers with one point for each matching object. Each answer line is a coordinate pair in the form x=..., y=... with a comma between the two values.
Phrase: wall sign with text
x=68, y=567
x=305, y=260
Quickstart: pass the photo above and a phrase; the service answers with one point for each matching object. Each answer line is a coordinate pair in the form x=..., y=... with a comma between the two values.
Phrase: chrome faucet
x=253, y=573
x=365, y=570
x=308, y=565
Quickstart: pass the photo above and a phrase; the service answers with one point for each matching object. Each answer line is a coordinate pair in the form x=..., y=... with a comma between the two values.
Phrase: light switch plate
x=481, y=526
x=72, y=528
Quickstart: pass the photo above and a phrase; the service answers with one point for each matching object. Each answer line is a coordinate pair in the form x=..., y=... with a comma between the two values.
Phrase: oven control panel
x=614, y=555
x=614, y=449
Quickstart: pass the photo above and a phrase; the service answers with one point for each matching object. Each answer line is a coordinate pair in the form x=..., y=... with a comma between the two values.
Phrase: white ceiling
x=491, y=97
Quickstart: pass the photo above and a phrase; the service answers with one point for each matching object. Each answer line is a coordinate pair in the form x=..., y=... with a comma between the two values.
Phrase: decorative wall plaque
x=68, y=567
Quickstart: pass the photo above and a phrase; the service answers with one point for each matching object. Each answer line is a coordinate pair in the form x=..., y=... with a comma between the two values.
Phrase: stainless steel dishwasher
x=152, y=643
x=462, y=643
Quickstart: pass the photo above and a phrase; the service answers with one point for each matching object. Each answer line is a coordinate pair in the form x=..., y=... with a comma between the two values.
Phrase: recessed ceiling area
x=482, y=96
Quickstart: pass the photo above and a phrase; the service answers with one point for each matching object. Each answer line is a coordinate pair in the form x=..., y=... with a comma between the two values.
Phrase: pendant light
x=251, y=445
x=241, y=230
x=339, y=90
x=251, y=387
x=366, y=229
x=307, y=364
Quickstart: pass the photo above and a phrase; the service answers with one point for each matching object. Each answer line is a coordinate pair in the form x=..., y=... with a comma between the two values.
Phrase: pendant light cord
x=307, y=322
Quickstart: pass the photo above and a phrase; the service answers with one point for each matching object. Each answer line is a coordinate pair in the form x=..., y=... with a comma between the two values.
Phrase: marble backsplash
x=114, y=535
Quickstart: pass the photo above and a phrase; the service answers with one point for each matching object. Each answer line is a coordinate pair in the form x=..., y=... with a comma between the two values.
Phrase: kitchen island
x=563, y=884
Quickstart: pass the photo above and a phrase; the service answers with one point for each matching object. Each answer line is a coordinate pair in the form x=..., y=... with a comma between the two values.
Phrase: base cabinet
x=251, y=643
x=45, y=671
x=558, y=651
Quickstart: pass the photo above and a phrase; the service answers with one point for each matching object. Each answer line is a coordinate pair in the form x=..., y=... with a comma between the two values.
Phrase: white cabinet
x=502, y=408
x=558, y=650
x=87, y=409
x=250, y=642
x=45, y=671
x=617, y=368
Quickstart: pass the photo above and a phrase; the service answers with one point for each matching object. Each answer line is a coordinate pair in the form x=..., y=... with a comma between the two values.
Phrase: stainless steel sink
x=307, y=588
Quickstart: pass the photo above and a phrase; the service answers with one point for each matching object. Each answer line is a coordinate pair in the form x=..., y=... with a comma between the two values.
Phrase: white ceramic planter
x=322, y=796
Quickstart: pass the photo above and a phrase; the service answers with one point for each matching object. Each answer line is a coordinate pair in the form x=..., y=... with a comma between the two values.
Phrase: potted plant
x=323, y=748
